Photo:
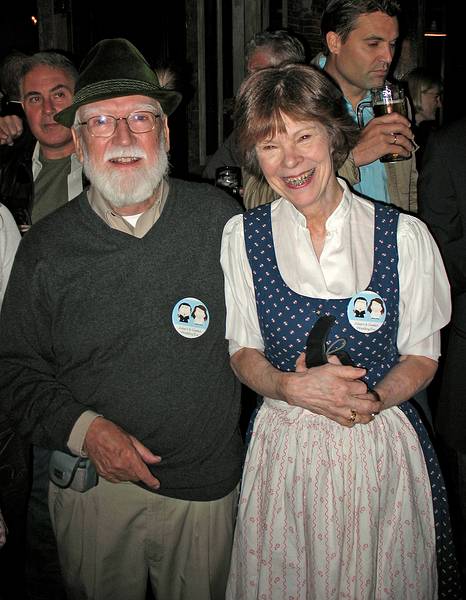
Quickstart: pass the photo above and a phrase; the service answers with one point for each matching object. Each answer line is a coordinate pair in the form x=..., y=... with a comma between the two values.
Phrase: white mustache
x=131, y=152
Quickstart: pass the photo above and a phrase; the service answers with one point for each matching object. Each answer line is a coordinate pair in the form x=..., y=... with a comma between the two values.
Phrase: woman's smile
x=299, y=181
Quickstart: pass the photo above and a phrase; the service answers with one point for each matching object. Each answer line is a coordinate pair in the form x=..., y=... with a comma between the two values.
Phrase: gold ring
x=354, y=414
x=395, y=139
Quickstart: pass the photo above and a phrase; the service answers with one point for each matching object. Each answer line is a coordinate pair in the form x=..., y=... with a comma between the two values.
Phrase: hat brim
x=105, y=90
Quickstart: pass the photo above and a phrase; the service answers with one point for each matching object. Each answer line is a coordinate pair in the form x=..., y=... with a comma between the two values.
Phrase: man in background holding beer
x=359, y=38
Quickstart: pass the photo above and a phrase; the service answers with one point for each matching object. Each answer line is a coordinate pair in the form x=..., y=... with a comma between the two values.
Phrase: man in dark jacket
x=38, y=172
x=32, y=169
x=442, y=193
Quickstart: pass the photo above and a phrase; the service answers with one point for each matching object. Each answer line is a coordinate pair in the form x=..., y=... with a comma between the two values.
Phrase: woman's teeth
x=300, y=180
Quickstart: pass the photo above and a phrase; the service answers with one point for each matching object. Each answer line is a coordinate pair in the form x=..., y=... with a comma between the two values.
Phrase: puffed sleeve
x=9, y=241
x=425, y=301
x=242, y=324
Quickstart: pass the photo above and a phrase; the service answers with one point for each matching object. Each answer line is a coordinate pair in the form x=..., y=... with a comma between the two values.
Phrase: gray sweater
x=87, y=324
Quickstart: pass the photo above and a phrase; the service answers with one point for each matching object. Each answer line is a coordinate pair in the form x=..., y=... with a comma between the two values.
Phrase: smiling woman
x=317, y=251
x=297, y=163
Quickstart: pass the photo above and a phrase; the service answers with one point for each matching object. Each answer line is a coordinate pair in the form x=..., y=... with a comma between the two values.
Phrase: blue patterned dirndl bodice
x=286, y=317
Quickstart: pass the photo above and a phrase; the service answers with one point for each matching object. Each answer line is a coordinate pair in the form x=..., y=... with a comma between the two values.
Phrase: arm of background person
x=375, y=141
x=442, y=185
x=413, y=204
x=402, y=184
x=378, y=137
x=11, y=127
x=349, y=171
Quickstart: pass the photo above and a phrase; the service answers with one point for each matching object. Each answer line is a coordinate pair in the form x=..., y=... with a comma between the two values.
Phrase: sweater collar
x=107, y=213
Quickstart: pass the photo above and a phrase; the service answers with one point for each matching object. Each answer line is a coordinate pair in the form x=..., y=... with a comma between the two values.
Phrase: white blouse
x=344, y=268
x=9, y=241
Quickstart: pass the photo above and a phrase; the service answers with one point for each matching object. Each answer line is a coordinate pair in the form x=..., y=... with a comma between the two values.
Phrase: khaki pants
x=113, y=537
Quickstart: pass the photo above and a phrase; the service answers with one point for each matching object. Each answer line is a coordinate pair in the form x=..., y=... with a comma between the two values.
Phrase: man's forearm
x=349, y=170
x=40, y=408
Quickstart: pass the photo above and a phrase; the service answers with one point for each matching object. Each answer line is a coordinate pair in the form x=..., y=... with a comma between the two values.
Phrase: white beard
x=130, y=187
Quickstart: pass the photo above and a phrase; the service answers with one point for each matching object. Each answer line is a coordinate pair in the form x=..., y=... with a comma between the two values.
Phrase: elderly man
x=95, y=363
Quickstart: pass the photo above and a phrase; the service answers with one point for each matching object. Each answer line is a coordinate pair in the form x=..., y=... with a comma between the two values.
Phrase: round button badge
x=190, y=317
x=366, y=311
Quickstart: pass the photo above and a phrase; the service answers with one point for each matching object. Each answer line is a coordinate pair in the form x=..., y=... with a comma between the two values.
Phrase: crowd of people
x=124, y=354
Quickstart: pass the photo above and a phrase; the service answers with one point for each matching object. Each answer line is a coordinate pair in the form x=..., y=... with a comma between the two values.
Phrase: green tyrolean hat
x=115, y=68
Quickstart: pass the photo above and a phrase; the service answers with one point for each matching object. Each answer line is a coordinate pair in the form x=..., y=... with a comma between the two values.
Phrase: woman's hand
x=332, y=390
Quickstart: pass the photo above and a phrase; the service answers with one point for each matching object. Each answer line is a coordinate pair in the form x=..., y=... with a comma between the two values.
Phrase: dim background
x=203, y=41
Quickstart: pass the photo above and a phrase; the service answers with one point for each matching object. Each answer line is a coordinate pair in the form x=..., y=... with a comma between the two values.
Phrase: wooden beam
x=201, y=81
x=265, y=17
x=238, y=32
x=54, y=25
x=284, y=14
x=220, y=73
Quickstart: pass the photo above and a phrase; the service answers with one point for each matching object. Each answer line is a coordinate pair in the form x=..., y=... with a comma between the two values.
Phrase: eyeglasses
x=105, y=125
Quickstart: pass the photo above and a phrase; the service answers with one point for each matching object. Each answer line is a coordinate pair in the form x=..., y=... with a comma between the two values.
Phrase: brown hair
x=301, y=92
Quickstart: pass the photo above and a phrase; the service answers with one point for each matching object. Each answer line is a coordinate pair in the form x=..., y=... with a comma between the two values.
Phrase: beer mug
x=385, y=100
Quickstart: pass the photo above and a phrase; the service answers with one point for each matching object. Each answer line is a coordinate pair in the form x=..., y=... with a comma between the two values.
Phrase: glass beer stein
x=385, y=100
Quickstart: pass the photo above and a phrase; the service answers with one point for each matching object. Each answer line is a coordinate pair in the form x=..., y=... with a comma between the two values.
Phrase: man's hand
x=11, y=127
x=383, y=135
x=117, y=455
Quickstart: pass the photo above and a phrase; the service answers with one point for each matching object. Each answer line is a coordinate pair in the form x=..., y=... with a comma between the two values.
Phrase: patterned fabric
x=449, y=583
x=367, y=538
x=2, y=530
x=328, y=512
x=286, y=317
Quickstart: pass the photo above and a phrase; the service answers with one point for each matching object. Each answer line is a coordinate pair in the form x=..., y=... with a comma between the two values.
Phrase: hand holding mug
x=390, y=127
